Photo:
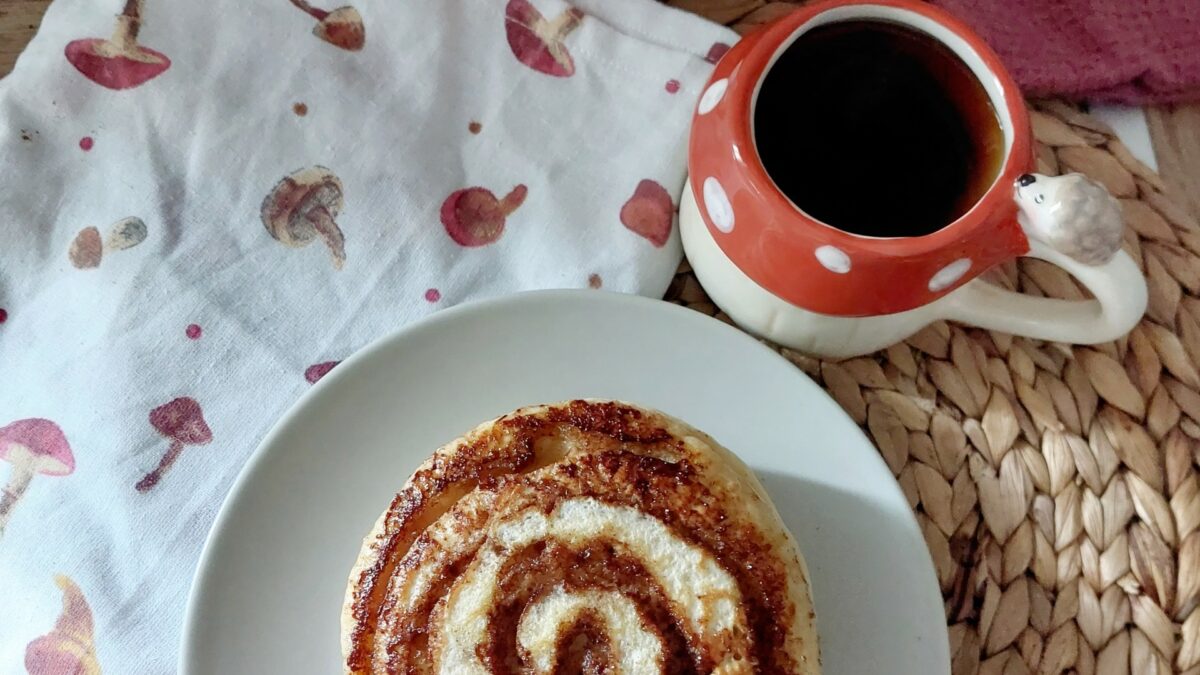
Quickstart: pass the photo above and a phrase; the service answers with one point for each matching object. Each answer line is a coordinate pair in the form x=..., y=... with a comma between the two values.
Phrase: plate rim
x=205, y=562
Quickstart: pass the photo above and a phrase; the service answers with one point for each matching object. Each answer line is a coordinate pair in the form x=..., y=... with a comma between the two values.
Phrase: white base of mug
x=763, y=313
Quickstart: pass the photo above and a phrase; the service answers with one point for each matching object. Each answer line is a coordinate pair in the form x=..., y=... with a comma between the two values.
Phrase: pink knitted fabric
x=1126, y=51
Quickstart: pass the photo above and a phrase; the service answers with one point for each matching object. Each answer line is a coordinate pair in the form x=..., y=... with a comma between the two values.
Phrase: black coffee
x=877, y=129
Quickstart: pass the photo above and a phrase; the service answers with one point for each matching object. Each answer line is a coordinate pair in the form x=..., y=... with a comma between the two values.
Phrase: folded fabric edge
x=653, y=22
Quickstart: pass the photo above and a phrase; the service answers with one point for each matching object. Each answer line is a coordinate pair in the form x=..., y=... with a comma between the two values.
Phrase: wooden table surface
x=19, y=20
x=1175, y=130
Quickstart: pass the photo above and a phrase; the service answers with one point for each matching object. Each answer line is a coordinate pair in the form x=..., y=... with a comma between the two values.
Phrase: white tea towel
x=205, y=205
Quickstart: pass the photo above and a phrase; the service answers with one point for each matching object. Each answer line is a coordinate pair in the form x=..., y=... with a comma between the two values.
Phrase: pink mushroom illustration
x=32, y=446
x=316, y=371
x=302, y=207
x=119, y=62
x=474, y=217
x=70, y=648
x=86, y=249
x=182, y=422
x=649, y=212
x=716, y=51
x=342, y=27
x=538, y=42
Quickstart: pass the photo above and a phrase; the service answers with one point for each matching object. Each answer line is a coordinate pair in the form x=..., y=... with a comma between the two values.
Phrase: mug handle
x=1120, y=300
x=1073, y=222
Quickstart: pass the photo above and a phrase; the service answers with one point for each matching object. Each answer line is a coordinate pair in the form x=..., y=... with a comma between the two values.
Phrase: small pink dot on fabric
x=3, y=315
x=672, y=86
x=193, y=331
x=86, y=143
x=433, y=295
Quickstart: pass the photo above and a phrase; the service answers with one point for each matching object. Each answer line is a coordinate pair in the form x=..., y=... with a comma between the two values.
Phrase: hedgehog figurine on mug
x=1073, y=214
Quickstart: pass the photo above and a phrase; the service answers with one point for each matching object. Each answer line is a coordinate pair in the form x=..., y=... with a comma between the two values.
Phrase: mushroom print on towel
x=316, y=371
x=716, y=51
x=475, y=217
x=264, y=187
x=182, y=422
x=538, y=42
x=302, y=207
x=342, y=27
x=118, y=62
x=68, y=649
x=33, y=446
x=649, y=212
x=87, y=249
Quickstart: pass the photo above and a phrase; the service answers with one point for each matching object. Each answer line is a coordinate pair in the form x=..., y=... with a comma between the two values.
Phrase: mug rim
x=777, y=37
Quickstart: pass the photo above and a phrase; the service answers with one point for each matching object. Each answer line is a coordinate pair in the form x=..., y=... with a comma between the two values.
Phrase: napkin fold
x=206, y=205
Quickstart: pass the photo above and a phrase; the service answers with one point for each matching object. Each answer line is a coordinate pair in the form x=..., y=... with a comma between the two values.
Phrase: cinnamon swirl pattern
x=587, y=536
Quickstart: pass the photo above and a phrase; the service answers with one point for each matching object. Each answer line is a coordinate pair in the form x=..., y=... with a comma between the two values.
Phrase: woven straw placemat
x=1056, y=485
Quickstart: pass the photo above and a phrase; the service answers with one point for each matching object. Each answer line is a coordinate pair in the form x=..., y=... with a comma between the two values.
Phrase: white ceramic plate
x=268, y=590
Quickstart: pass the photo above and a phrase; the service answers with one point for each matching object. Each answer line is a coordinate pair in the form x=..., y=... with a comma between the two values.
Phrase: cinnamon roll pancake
x=581, y=537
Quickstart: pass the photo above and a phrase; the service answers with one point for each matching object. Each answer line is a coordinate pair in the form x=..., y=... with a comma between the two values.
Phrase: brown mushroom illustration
x=70, y=646
x=182, y=422
x=86, y=249
x=302, y=207
x=474, y=217
x=537, y=42
x=32, y=446
x=119, y=62
x=342, y=27
x=649, y=212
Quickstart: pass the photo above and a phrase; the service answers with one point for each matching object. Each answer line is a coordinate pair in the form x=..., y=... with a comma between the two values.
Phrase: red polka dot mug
x=781, y=273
